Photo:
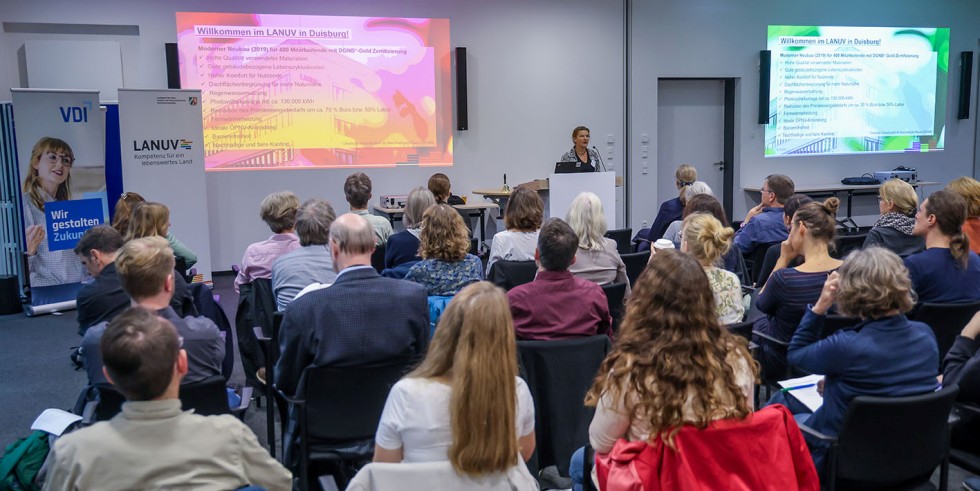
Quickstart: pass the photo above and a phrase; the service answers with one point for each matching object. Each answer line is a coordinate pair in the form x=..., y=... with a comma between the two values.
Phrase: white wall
x=719, y=38
x=535, y=71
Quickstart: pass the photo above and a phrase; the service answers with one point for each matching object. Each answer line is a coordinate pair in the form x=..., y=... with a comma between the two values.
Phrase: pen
x=787, y=389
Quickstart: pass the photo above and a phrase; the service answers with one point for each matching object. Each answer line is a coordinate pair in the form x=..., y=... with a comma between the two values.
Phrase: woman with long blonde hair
x=123, y=216
x=673, y=363
x=465, y=402
x=153, y=219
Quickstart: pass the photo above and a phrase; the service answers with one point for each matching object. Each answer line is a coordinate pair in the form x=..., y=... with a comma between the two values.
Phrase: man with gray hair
x=311, y=263
x=363, y=319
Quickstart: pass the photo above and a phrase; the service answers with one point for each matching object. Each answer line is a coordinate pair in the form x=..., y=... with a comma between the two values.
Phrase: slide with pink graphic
x=298, y=91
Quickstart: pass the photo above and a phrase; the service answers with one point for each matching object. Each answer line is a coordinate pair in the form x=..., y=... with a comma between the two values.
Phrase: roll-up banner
x=60, y=146
x=162, y=140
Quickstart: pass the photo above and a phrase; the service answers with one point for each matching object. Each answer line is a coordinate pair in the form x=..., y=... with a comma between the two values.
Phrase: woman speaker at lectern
x=586, y=159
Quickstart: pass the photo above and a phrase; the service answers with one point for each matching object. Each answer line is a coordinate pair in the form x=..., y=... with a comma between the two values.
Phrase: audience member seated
x=363, y=319
x=962, y=365
x=123, y=215
x=403, y=247
x=704, y=203
x=671, y=316
x=772, y=254
x=153, y=443
x=103, y=298
x=885, y=355
x=357, y=190
x=789, y=290
x=522, y=218
x=707, y=240
x=312, y=262
x=947, y=271
x=763, y=224
x=556, y=304
x=146, y=268
x=439, y=185
x=670, y=210
x=278, y=211
x=673, y=232
x=465, y=402
x=151, y=219
x=445, y=267
x=969, y=189
x=597, y=258
x=897, y=203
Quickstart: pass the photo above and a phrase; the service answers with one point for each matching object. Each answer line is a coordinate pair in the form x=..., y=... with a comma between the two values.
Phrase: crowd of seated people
x=699, y=188
x=673, y=363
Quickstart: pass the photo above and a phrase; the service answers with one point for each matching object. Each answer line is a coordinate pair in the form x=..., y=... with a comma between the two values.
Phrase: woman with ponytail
x=947, y=271
x=969, y=189
x=705, y=238
x=789, y=290
x=465, y=402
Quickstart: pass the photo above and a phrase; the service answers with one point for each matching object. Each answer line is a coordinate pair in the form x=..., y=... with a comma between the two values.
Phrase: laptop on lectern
x=572, y=168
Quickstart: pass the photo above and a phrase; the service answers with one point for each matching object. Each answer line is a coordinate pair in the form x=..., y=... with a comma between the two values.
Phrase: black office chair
x=558, y=374
x=209, y=397
x=847, y=242
x=378, y=258
x=760, y=263
x=946, y=320
x=339, y=413
x=741, y=329
x=615, y=295
x=256, y=307
x=890, y=441
x=966, y=419
x=635, y=263
x=623, y=238
x=509, y=274
x=269, y=344
x=105, y=406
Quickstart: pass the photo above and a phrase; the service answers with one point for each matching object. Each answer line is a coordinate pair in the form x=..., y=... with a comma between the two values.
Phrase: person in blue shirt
x=947, y=271
x=670, y=210
x=885, y=355
x=763, y=224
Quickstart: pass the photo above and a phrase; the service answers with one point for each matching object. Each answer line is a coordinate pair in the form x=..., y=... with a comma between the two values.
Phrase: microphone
x=603, y=164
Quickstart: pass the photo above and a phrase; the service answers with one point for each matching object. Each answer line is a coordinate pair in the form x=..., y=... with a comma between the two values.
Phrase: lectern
x=565, y=187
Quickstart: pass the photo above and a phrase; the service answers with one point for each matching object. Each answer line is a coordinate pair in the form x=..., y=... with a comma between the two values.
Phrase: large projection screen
x=844, y=90
x=297, y=91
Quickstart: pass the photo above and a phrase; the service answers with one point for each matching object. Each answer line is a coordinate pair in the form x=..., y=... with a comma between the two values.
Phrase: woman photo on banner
x=48, y=179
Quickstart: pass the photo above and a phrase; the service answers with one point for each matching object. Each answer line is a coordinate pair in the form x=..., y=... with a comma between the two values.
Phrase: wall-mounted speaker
x=462, y=114
x=966, y=78
x=173, y=66
x=765, y=60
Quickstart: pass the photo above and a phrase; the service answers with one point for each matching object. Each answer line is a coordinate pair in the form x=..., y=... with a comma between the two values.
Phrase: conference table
x=850, y=191
x=471, y=209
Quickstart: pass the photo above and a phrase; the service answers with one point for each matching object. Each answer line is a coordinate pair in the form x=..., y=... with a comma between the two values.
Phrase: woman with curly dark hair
x=673, y=363
x=446, y=267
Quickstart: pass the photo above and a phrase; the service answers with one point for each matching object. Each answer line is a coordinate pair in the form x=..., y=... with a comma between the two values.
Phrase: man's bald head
x=352, y=234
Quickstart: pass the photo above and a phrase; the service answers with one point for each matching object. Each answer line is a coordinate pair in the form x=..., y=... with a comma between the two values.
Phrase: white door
x=690, y=130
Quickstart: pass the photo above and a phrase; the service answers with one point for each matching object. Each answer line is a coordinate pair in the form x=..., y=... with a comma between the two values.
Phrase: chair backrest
x=846, y=243
x=622, y=237
x=378, y=258
x=346, y=403
x=110, y=402
x=422, y=476
x=615, y=295
x=509, y=274
x=894, y=439
x=558, y=374
x=635, y=263
x=758, y=266
x=206, y=397
x=741, y=329
x=256, y=306
x=946, y=320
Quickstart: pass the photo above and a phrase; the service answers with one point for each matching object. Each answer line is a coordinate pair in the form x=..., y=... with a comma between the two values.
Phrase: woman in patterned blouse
x=446, y=267
x=705, y=238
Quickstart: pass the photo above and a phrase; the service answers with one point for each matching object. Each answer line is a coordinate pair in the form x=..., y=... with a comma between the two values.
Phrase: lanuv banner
x=61, y=148
x=162, y=140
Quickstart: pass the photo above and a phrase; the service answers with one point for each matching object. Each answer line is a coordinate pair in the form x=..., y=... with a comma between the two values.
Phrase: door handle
x=720, y=164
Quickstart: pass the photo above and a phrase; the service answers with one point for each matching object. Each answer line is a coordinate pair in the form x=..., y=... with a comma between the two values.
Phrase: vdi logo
x=76, y=114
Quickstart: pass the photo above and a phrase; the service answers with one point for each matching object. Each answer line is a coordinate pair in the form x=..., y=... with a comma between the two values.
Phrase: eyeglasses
x=64, y=159
x=764, y=190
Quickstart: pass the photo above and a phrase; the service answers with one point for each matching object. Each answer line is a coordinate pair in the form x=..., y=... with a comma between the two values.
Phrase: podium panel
x=565, y=187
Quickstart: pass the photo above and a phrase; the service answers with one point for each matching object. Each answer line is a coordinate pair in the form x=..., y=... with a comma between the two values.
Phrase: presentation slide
x=298, y=91
x=840, y=90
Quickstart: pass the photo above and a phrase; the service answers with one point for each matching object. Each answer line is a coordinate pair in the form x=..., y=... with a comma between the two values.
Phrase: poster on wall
x=61, y=147
x=161, y=136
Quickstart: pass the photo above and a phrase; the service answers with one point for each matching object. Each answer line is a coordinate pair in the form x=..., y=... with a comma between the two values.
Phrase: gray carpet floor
x=36, y=373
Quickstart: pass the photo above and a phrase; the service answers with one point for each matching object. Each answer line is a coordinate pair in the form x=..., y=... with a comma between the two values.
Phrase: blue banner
x=68, y=220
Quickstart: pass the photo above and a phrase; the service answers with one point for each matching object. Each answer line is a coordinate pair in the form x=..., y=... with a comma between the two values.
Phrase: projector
x=394, y=200
x=908, y=175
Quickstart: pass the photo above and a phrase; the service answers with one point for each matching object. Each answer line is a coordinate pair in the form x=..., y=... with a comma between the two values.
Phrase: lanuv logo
x=76, y=114
x=151, y=145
